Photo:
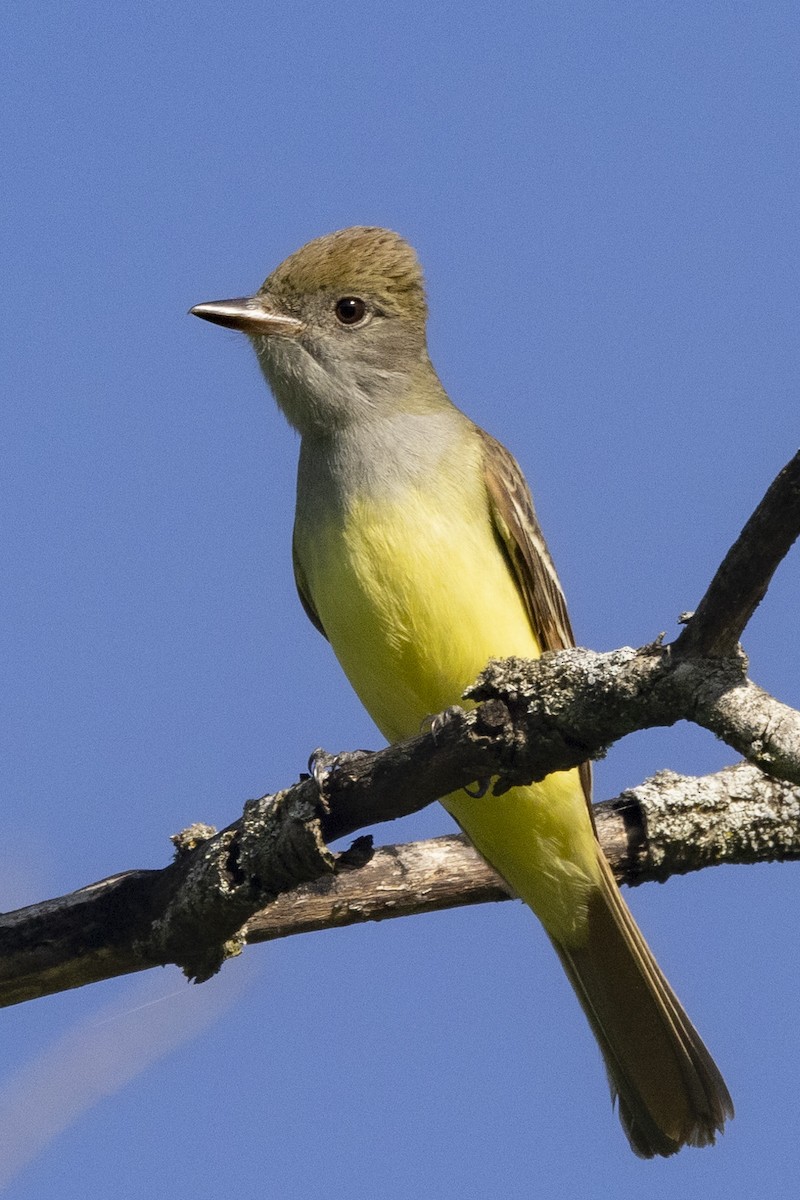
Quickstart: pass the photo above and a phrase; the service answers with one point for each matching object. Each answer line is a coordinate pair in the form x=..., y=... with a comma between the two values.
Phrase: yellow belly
x=415, y=600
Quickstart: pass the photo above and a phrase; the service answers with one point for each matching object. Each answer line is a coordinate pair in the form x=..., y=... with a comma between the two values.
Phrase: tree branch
x=532, y=718
x=669, y=825
x=565, y=708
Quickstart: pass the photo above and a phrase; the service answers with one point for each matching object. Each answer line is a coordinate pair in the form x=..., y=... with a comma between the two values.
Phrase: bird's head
x=339, y=328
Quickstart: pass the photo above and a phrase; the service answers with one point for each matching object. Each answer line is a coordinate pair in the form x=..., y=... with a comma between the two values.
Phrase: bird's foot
x=435, y=723
x=322, y=766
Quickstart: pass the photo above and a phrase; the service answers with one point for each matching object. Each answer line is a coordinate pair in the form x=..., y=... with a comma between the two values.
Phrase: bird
x=418, y=555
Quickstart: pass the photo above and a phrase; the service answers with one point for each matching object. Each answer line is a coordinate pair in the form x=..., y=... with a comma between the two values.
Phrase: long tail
x=670, y=1091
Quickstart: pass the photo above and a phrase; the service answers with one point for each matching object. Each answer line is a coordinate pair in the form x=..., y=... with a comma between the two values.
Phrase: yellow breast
x=415, y=598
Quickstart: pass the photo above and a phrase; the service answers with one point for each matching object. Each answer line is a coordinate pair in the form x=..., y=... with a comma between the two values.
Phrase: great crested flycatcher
x=418, y=555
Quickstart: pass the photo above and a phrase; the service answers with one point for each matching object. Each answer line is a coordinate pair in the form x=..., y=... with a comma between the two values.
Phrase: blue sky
x=604, y=197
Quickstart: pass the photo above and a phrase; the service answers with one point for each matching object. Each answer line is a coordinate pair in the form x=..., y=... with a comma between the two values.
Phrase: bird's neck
x=380, y=456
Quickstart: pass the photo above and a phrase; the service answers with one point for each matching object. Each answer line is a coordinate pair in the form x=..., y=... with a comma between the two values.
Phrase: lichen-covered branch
x=580, y=702
x=193, y=912
x=669, y=825
x=539, y=717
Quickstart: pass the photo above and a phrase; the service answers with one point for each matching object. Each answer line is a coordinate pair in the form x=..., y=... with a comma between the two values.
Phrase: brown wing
x=303, y=593
x=523, y=541
x=515, y=521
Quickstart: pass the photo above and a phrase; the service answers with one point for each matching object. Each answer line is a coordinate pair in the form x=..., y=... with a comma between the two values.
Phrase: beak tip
x=248, y=315
x=209, y=311
x=232, y=314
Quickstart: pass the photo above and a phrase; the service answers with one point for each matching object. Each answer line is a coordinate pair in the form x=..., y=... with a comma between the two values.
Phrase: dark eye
x=350, y=310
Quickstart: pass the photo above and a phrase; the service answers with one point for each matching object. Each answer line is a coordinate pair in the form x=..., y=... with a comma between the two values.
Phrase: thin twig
x=742, y=580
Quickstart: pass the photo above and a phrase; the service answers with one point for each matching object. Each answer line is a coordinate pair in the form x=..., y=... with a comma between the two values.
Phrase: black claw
x=481, y=788
x=320, y=765
x=323, y=765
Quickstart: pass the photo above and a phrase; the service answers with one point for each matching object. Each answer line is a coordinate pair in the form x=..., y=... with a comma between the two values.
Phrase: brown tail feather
x=670, y=1091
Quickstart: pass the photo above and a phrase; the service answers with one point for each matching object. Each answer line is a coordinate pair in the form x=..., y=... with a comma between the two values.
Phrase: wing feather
x=303, y=592
x=522, y=539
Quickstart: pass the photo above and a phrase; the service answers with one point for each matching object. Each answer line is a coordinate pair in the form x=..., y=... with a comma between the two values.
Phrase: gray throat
x=376, y=458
